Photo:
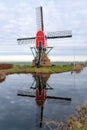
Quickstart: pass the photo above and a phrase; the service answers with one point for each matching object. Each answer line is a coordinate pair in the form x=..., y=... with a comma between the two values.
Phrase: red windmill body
x=40, y=40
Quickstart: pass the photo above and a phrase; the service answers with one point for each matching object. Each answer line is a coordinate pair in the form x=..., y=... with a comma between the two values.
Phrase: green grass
x=29, y=69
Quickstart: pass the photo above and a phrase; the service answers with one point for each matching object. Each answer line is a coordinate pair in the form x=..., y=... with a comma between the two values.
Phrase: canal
x=20, y=109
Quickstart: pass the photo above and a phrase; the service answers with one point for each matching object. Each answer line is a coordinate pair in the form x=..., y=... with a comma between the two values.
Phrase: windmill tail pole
x=60, y=98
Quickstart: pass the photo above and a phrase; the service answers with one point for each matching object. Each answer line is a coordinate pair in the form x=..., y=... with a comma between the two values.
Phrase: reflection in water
x=41, y=86
x=76, y=71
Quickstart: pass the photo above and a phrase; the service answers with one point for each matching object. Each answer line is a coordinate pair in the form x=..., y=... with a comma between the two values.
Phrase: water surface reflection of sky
x=18, y=112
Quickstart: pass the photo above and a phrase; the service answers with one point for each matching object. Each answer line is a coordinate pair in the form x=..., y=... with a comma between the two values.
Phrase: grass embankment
x=76, y=122
x=2, y=76
x=79, y=122
x=29, y=69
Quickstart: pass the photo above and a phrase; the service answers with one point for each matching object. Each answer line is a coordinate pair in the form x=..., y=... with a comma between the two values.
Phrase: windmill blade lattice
x=39, y=18
x=26, y=40
x=59, y=34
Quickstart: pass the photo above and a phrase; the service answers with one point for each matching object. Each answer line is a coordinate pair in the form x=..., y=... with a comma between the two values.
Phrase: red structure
x=40, y=40
x=40, y=97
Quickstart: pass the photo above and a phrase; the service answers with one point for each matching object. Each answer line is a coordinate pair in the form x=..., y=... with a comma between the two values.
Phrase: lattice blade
x=26, y=40
x=59, y=34
x=39, y=18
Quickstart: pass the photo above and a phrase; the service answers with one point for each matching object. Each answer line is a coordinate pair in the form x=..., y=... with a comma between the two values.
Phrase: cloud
x=18, y=19
x=15, y=58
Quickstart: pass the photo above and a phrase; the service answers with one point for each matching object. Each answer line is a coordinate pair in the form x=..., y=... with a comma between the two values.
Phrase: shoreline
x=18, y=69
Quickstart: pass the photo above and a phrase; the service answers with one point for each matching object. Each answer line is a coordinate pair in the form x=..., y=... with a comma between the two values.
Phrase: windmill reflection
x=40, y=94
x=41, y=86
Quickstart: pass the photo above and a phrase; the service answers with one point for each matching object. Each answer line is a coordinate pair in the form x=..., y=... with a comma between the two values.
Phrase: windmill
x=40, y=51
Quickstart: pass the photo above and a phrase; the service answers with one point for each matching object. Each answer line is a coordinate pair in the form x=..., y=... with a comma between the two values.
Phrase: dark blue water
x=22, y=113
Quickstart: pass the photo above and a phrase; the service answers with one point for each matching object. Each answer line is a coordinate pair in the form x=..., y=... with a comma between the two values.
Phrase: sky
x=18, y=20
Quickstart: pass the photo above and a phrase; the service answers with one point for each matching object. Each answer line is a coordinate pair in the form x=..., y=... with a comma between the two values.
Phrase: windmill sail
x=39, y=18
x=59, y=34
x=26, y=40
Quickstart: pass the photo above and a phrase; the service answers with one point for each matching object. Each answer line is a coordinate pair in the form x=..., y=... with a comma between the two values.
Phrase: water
x=23, y=113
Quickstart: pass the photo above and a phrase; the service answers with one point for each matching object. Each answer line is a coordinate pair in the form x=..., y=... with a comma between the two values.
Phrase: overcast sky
x=18, y=19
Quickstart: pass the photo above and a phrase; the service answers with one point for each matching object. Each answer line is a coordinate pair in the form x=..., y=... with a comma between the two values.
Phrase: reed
x=54, y=125
x=75, y=122
x=79, y=122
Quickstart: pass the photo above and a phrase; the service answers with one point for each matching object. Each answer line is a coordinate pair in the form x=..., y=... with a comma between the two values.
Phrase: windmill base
x=45, y=61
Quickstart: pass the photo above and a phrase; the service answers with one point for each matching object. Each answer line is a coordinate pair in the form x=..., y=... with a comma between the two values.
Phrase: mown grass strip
x=29, y=69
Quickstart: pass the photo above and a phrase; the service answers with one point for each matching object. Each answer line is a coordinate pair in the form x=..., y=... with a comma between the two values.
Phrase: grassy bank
x=29, y=69
x=79, y=122
x=75, y=122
